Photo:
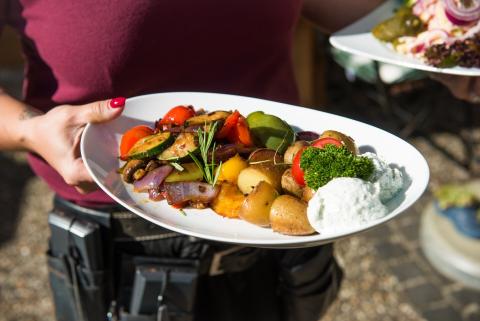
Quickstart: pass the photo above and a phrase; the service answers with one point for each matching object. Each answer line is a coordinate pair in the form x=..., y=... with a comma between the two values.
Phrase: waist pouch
x=118, y=266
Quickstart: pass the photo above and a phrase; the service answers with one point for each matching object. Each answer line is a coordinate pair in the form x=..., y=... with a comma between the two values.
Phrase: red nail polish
x=117, y=102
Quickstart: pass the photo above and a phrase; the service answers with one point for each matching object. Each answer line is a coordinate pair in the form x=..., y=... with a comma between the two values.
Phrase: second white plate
x=357, y=39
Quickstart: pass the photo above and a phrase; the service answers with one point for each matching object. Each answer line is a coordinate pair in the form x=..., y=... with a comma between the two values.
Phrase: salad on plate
x=256, y=168
x=441, y=33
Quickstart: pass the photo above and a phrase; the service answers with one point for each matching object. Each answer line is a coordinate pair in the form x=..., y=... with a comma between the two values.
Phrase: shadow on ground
x=14, y=178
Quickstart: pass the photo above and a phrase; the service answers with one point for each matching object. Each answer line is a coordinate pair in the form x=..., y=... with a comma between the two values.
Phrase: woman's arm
x=55, y=135
x=332, y=15
x=14, y=123
x=464, y=88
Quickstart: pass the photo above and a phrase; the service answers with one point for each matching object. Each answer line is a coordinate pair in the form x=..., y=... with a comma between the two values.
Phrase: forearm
x=332, y=15
x=14, y=122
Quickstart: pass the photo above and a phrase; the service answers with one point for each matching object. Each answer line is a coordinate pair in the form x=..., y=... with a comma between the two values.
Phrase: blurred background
x=417, y=267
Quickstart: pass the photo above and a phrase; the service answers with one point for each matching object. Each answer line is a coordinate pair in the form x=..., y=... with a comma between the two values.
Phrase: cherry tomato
x=321, y=142
x=177, y=115
x=297, y=172
x=243, y=132
x=131, y=136
x=228, y=125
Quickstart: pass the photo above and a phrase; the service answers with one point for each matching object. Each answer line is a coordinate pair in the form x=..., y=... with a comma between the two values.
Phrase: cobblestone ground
x=386, y=275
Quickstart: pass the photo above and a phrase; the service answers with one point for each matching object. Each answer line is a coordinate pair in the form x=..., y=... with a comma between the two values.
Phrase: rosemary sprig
x=177, y=166
x=209, y=169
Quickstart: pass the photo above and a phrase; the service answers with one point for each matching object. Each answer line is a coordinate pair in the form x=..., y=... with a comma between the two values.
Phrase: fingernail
x=117, y=102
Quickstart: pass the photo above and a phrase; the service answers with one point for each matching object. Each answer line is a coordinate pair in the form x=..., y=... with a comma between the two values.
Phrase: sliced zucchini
x=190, y=172
x=178, y=151
x=207, y=118
x=150, y=146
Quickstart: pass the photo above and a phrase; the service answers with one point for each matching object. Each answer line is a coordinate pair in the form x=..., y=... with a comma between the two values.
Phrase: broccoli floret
x=320, y=165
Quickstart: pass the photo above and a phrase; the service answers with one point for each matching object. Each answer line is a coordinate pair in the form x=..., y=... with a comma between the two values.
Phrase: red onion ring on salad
x=459, y=14
x=152, y=179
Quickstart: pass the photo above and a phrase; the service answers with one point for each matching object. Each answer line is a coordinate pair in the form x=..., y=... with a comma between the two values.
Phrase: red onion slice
x=459, y=14
x=153, y=179
x=182, y=192
x=307, y=136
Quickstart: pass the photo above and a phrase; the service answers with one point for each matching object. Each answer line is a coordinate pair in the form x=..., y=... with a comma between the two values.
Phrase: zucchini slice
x=150, y=146
x=207, y=118
x=178, y=151
x=190, y=172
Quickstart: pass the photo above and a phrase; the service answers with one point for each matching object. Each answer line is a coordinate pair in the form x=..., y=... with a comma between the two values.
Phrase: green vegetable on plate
x=320, y=165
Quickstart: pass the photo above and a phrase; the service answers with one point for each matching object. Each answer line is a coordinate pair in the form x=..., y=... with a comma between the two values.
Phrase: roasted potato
x=256, y=207
x=347, y=140
x=228, y=201
x=288, y=215
x=292, y=151
x=265, y=165
x=290, y=185
x=307, y=194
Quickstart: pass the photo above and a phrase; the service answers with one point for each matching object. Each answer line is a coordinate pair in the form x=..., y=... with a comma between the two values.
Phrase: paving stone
x=410, y=232
x=389, y=249
x=466, y=296
x=442, y=314
x=423, y=295
x=379, y=233
x=406, y=270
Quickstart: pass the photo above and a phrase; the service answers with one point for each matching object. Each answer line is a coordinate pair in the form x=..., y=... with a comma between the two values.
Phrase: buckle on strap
x=216, y=265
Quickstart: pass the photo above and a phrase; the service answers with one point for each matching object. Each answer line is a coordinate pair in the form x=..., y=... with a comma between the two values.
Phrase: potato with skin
x=256, y=207
x=290, y=185
x=307, y=194
x=251, y=177
x=292, y=151
x=347, y=140
x=265, y=165
x=288, y=215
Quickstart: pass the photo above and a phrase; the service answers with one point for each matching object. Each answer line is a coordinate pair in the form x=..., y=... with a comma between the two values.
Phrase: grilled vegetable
x=177, y=115
x=130, y=168
x=184, y=144
x=231, y=168
x=150, y=146
x=131, y=136
x=228, y=201
x=181, y=193
x=207, y=118
x=190, y=172
x=403, y=23
x=153, y=179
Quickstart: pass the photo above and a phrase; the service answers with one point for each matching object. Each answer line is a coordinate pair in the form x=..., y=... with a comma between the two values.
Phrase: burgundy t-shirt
x=81, y=51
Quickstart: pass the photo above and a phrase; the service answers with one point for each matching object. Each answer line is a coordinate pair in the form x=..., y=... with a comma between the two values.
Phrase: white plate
x=358, y=40
x=99, y=148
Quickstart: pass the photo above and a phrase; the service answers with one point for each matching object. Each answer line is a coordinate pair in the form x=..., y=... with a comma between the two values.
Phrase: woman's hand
x=462, y=87
x=56, y=137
